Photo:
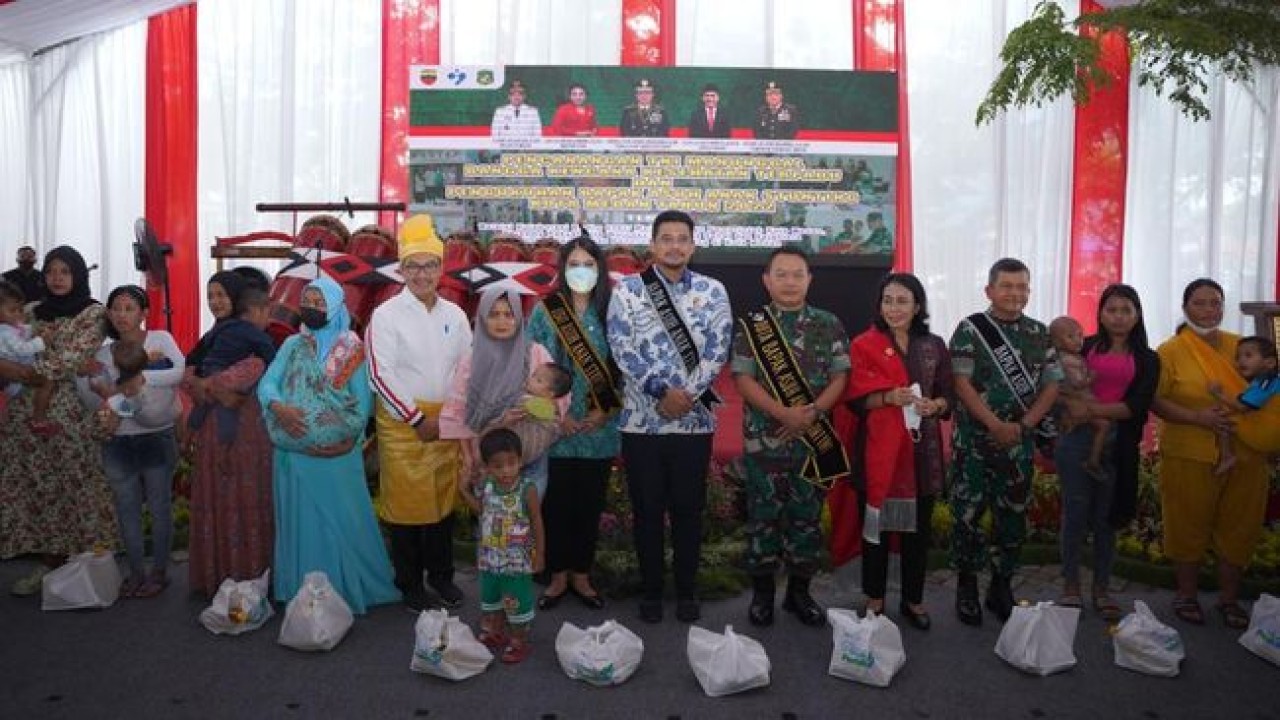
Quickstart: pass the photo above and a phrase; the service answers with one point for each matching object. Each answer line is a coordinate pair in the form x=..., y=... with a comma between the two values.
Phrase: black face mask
x=313, y=318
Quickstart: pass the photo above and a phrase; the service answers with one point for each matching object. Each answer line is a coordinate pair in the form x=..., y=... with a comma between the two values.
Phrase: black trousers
x=419, y=548
x=667, y=475
x=571, y=511
x=915, y=556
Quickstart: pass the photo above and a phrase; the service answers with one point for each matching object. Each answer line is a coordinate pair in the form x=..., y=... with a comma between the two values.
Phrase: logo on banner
x=455, y=77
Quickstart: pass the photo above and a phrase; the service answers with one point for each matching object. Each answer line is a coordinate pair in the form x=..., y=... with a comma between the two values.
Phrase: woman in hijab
x=231, y=516
x=488, y=385
x=54, y=498
x=317, y=399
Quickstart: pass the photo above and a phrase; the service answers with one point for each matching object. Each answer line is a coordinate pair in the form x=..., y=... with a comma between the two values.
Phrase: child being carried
x=1256, y=362
x=1077, y=386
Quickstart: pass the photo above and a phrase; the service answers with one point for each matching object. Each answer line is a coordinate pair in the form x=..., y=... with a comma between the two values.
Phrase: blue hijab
x=336, y=312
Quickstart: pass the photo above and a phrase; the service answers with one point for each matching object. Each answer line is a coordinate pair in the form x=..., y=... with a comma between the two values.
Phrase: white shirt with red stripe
x=413, y=352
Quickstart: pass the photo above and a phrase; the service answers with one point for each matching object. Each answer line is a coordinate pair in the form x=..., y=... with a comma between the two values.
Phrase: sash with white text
x=1014, y=372
x=604, y=393
x=827, y=460
x=676, y=329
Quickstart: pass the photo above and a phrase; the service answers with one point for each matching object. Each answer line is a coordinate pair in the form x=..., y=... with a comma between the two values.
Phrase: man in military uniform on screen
x=644, y=117
x=515, y=120
x=776, y=120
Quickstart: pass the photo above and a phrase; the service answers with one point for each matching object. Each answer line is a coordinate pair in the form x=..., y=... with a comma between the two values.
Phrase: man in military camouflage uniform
x=644, y=117
x=992, y=443
x=783, y=508
x=775, y=119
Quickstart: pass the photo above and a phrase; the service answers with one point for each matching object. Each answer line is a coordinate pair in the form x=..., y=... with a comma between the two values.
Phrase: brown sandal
x=1233, y=616
x=1188, y=610
x=1106, y=608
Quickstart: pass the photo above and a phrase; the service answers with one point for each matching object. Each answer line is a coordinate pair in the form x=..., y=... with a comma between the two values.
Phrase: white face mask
x=1201, y=330
x=581, y=279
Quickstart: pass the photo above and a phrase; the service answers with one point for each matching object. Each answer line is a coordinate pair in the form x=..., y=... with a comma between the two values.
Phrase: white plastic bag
x=866, y=650
x=1039, y=638
x=87, y=580
x=444, y=646
x=601, y=655
x=239, y=607
x=317, y=618
x=1145, y=644
x=728, y=663
x=1263, y=636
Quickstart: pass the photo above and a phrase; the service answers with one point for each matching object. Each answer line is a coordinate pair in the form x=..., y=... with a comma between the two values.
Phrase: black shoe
x=967, y=607
x=416, y=601
x=450, y=594
x=1000, y=597
x=688, y=610
x=761, y=611
x=548, y=601
x=800, y=603
x=917, y=620
x=651, y=611
x=595, y=601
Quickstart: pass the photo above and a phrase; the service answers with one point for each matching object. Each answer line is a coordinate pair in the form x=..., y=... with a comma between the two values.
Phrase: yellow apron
x=418, y=482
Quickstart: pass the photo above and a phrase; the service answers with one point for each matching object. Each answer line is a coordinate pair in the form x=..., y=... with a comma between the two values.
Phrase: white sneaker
x=31, y=584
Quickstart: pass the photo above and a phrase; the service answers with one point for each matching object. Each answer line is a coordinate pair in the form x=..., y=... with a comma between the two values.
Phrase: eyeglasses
x=412, y=268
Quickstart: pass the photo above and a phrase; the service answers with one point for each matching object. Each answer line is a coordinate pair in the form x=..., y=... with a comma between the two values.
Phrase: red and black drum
x=286, y=289
x=376, y=247
x=623, y=260
x=461, y=251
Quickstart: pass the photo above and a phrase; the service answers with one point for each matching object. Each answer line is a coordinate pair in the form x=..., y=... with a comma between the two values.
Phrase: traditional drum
x=286, y=289
x=375, y=246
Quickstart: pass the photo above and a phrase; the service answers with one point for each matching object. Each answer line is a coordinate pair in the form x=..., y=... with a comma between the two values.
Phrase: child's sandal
x=495, y=641
x=515, y=652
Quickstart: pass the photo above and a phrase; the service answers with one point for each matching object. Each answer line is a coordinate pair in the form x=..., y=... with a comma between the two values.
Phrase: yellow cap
x=418, y=235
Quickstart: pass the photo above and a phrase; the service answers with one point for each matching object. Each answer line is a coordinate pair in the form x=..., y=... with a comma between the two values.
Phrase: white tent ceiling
x=28, y=26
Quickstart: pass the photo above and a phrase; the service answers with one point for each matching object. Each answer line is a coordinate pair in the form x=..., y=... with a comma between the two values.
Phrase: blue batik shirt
x=647, y=356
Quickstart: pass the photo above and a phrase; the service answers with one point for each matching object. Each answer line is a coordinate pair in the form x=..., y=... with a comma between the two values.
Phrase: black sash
x=604, y=394
x=827, y=460
x=1013, y=371
x=676, y=329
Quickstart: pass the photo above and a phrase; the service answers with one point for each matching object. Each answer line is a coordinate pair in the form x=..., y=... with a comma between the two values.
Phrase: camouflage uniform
x=653, y=121
x=982, y=473
x=783, y=509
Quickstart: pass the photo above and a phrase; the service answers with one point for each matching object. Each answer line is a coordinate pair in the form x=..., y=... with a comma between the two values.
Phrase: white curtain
x=815, y=34
x=1203, y=199
x=79, y=180
x=979, y=194
x=531, y=32
x=289, y=111
x=15, y=160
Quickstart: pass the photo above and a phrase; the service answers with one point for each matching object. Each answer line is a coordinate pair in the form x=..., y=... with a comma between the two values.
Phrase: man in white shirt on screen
x=516, y=120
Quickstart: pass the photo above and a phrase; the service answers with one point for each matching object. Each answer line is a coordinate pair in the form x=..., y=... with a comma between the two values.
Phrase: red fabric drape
x=648, y=32
x=410, y=36
x=171, y=165
x=1098, y=184
x=875, y=36
x=879, y=32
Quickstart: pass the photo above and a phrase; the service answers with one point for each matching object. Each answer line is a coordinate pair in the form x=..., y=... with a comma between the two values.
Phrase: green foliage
x=1175, y=45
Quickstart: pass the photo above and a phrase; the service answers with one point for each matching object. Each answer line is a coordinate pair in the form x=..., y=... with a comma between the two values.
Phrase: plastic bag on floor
x=728, y=663
x=239, y=606
x=1039, y=639
x=317, y=618
x=601, y=655
x=1263, y=636
x=1145, y=644
x=87, y=580
x=866, y=650
x=444, y=646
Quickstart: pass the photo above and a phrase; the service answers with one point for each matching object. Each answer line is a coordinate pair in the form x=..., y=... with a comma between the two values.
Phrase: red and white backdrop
x=197, y=114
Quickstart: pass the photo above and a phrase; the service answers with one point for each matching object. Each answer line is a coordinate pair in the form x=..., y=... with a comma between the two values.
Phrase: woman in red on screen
x=575, y=118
